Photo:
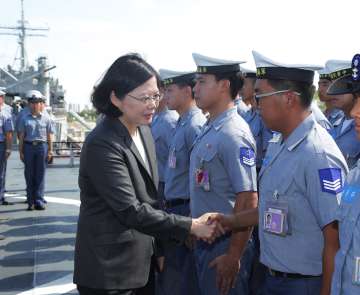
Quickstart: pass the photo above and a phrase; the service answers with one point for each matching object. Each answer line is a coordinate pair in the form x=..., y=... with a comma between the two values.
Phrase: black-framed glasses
x=147, y=99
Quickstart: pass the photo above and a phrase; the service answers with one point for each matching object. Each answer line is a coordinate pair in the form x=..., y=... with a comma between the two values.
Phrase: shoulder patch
x=247, y=156
x=331, y=180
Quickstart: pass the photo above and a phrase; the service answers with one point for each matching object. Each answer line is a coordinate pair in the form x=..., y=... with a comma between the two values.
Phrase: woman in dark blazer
x=118, y=182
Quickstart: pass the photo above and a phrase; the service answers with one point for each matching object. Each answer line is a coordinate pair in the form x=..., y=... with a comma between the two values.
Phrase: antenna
x=21, y=32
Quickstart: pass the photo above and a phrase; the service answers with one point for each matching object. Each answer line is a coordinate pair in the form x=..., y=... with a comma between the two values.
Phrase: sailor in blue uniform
x=35, y=147
x=222, y=176
x=346, y=278
x=162, y=128
x=6, y=132
x=345, y=134
x=261, y=134
x=299, y=183
x=334, y=115
x=179, y=275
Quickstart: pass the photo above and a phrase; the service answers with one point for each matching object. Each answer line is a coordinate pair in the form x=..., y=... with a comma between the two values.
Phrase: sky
x=86, y=36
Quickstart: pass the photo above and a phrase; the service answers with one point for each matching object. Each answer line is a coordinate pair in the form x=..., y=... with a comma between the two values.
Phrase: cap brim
x=344, y=85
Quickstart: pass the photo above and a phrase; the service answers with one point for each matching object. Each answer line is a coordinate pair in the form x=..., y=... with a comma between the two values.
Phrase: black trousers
x=148, y=289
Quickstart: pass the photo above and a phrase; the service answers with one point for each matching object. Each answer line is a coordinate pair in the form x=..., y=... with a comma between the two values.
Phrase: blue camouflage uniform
x=345, y=138
x=300, y=184
x=179, y=275
x=346, y=277
x=162, y=128
x=6, y=125
x=35, y=130
x=222, y=164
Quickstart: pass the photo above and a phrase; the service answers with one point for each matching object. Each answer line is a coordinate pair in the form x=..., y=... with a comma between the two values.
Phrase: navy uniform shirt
x=346, y=266
x=260, y=132
x=162, y=128
x=225, y=152
x=241, y=106
x=335, y=117
x=6, y=124
x=319, y=116
x=346, y=139
x=177, y=169
x=35, y=128
x=306, y=173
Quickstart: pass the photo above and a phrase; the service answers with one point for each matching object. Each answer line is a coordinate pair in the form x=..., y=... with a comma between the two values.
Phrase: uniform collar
x=186, y=116
x=223, y=117
x=300, y=133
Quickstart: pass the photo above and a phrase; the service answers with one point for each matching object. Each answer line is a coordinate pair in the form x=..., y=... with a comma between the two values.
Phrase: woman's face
x=136, y=109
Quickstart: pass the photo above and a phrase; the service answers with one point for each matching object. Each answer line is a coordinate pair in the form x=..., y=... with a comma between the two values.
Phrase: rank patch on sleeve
x=247, y=156
x=331, y=180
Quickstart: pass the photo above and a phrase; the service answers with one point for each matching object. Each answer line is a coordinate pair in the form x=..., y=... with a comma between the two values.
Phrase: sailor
x=35, y=148
x=222, y=176
x=3, y=106
x=261, y=134
x=344, y=135
x=299, y=245
x=346, y=278
x=162, y=128
x=334, y=115
x=6, y=133
x=179, y=272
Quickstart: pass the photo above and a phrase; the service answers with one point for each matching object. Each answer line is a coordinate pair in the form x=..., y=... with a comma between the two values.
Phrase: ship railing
x=67, y=149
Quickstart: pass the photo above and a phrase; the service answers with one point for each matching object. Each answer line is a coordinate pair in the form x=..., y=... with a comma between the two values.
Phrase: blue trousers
x=205, y=253
x=286, y=286
x=2, y=170
x=35, y=166
x=179, y=275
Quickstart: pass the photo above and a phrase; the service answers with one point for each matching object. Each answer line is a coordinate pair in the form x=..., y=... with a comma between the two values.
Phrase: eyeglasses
x=258, y=96
x=147, y=99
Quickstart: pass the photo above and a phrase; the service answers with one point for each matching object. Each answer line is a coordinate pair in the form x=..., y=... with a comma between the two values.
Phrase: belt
x=279, y=274
x=35, y=142
x=175, y=202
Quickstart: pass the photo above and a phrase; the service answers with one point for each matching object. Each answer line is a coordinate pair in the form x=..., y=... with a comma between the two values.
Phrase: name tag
x=275, y=218
x=172, y=159
x=202, y=179
x=356, y=274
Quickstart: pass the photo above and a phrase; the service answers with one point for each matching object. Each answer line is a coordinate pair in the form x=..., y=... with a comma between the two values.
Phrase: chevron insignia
x=247, y=156
x=331, y=180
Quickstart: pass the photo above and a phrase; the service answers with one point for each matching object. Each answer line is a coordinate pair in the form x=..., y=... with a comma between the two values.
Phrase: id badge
x=202, y=179
x=356, y=274
x=275, y=218
x=172, y=159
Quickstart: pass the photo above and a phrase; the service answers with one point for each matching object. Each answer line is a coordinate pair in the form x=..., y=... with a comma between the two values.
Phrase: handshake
x=210, y=226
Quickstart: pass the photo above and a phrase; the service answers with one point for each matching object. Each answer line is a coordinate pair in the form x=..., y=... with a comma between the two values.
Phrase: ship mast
x=21, y=31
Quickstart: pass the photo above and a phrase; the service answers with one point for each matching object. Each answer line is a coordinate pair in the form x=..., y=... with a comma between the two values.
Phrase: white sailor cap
x=2, y=91
x=324, y=74
x=211, y=65
x=173, y=77
x=269, y=69
x=247, y=73
x=338, y=68
x=34, y=96
x=348, y=83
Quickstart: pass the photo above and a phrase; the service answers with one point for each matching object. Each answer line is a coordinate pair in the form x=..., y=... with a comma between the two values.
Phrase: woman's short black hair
x=124, y=75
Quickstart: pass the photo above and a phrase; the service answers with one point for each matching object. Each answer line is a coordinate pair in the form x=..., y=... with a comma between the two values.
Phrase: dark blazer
x=117, y=220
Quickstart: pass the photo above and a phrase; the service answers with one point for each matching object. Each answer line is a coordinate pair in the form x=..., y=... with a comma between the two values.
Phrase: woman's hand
x=206, y=229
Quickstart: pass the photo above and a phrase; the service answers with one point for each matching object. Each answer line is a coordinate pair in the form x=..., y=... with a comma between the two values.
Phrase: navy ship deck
x=36, y=257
